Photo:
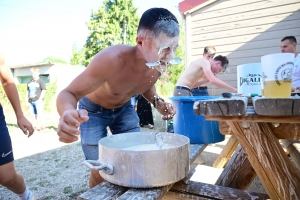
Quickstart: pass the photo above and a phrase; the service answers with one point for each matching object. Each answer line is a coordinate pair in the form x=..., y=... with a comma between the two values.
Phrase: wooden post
x=294, y=153
x=238, y=173
x=276, y=172
x=226, y=153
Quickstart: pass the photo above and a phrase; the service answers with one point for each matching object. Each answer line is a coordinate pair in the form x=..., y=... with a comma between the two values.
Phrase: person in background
x=36, y=88
x=200, y=88
x=289, y=45
x=144, y=112
x=113, y=76
x=9, y=178
x=202, y=71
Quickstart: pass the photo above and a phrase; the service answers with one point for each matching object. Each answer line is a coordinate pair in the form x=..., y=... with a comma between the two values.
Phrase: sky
x=31, y=30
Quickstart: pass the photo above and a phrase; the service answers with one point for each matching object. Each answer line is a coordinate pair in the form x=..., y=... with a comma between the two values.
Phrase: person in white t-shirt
x=289, y=45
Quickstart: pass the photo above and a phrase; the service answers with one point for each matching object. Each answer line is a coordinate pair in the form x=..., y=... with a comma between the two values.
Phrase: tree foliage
x=77, y=56
x=54, y=60
x=108, y=26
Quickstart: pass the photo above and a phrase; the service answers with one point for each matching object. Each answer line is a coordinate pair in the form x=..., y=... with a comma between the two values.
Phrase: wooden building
x=242, y=30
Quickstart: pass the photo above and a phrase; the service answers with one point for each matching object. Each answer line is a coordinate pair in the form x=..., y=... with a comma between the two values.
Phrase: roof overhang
x=190, y=6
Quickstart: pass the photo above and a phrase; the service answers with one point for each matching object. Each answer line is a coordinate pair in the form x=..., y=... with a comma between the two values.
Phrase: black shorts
x=6, y=153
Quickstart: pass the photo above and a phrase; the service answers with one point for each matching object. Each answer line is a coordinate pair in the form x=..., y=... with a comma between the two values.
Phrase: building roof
x=189, y=4
x=32, y=65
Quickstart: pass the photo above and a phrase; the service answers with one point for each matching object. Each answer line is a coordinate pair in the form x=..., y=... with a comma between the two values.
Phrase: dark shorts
x=200, y=91
x=120, y=120
x=6, y=153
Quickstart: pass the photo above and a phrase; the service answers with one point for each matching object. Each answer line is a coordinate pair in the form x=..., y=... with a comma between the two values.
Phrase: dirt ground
x=54, y=170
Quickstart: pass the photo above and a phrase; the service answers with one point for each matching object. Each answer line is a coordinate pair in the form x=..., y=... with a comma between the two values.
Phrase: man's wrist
x=156, y=99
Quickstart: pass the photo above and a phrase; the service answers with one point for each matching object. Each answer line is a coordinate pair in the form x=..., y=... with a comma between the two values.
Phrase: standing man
x=289, y=45
x=113, y=76
x=9, y=178
x=36, y=91
x=200, y=88
x=202, y=71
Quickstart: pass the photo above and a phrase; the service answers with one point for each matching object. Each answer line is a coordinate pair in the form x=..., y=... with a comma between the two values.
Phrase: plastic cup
x=277, y=70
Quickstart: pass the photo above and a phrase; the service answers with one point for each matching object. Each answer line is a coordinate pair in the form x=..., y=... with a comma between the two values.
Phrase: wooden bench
x=107, y=190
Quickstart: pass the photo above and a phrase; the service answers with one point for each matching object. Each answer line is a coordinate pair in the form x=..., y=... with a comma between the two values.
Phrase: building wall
x=242, y=30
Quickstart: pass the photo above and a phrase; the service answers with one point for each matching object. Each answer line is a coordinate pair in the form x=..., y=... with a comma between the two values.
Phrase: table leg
x=238, y=172
x=276, y=172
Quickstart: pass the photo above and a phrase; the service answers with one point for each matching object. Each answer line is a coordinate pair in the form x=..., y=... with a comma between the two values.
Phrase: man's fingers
x=83, y=114
x=66, y=137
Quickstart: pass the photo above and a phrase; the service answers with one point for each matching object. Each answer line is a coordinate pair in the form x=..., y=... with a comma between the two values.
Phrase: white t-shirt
x=296, y=73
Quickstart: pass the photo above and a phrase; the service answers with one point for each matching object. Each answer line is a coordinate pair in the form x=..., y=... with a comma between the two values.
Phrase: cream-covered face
x=159, y=49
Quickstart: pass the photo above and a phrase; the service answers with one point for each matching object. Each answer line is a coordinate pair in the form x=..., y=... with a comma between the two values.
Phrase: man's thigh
x=6, y=153
x=125, y=120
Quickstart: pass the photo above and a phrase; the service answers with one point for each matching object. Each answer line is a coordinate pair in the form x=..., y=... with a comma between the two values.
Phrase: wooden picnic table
x=258, y=129
x=183, y=189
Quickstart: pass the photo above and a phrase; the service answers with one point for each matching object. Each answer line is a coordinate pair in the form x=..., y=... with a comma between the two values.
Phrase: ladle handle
x=99, y=165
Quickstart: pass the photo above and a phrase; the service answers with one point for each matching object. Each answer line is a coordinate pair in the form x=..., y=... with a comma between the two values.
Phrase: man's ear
x=139, y=41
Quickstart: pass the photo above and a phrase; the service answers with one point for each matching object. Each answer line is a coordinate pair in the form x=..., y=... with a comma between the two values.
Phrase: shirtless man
x=202, y=71
x=200, y=89
x=114, y=75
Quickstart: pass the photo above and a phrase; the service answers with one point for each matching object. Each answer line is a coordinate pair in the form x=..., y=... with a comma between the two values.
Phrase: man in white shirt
x=289, y=45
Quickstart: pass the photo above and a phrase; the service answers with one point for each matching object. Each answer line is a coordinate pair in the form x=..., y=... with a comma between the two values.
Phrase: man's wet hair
x=223, y=59
x=159, y=20
x=292, y=39
x=209, y=50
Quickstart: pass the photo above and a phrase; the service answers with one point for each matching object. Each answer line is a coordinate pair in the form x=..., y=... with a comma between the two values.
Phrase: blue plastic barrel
x=195, y=127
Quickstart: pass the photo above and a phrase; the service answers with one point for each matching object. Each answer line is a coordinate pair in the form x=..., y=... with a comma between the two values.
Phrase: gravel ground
x=54, y=170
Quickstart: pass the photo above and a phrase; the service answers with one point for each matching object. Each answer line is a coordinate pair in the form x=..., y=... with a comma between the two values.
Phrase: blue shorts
x=133, y=101
x=200, y=91
x=36, y=107
x=6, y=153
x=120, y=120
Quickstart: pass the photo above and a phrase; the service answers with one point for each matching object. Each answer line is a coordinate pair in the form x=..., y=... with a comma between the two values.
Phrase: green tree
x=77, y=55
x=113, y=23
x=54, y=60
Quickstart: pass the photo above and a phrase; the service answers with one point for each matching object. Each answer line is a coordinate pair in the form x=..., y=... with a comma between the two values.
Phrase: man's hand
x=25, y=126
x=69, y=123
x=166, y=109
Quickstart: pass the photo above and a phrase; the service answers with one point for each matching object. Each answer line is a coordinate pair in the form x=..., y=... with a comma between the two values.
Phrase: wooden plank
x=175, y=195
x=153, y=193
x=245, y=12
x=221, y=106
x=255, y=118
x=249, y=10
x=207, y=27
x=215, y=192
x=103, y=191
x=293, y=151
x=276, y=172
x=277, y=107
x=226, y=153
x=238, y=173
x=288, y=131
x=196, y=150
x=249, y=30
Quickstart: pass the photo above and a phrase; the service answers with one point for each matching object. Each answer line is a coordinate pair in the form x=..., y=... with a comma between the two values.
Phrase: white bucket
x=249, y=78
x=277, y=71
